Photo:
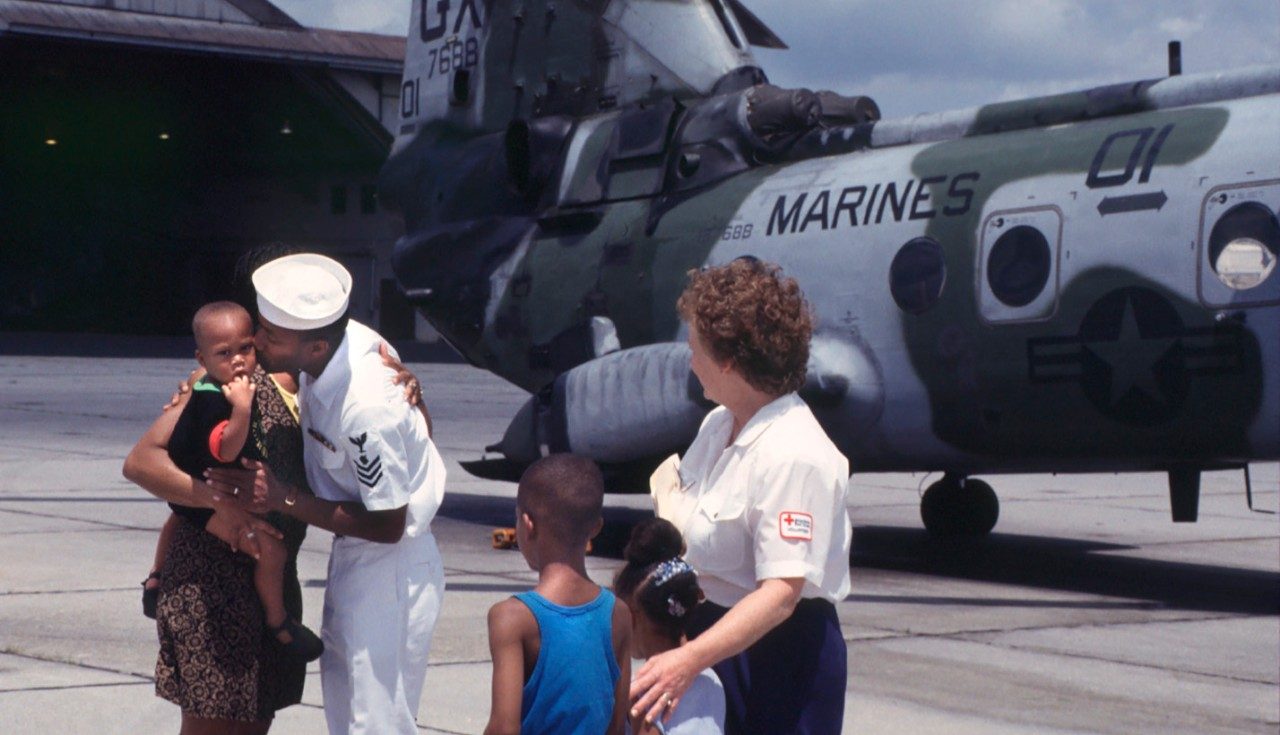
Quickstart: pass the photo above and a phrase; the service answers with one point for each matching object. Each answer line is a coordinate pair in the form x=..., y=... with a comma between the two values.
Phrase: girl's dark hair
x=657, y=579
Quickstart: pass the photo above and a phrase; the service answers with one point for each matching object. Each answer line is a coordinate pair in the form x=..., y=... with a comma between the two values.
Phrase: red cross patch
x=795, y=526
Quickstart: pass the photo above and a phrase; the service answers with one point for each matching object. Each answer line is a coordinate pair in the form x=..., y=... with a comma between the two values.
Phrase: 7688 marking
x=453, y=54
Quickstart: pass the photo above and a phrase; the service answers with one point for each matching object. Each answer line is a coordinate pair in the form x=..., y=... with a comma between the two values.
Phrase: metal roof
x=265, y=13
x=368, y=52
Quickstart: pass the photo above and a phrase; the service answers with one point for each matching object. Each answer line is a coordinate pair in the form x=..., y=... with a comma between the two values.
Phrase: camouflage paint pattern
x=621, y=174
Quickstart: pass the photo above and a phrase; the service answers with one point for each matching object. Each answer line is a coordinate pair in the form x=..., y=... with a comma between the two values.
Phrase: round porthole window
x=917, y=275
x=1243, y=246
x=1018, y=266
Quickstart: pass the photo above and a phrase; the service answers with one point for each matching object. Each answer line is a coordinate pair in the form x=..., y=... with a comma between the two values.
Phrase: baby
x=215, y=429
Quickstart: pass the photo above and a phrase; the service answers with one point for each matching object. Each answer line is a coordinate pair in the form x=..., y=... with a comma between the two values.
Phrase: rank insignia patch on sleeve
x=368, y=469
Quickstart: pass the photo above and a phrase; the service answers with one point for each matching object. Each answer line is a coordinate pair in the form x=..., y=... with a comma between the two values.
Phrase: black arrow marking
x=1132, y=203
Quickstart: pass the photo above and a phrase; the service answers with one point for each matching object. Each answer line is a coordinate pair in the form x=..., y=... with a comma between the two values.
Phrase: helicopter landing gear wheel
x=959, y=507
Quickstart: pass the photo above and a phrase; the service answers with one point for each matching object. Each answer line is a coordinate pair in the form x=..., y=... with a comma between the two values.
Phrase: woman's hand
x=240, y=530
x=656, y=690
x=184, y=389
x=671, y=673
x=412, y=387
x=254, y=489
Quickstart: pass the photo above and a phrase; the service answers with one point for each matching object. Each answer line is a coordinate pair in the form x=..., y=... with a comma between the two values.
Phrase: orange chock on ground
x=504, y=538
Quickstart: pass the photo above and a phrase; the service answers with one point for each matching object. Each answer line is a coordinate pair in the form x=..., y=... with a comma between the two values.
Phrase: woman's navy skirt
x=791, y=681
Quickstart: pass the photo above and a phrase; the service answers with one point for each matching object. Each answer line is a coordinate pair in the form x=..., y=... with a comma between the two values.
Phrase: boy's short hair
x=213, y=310
x=564, y=493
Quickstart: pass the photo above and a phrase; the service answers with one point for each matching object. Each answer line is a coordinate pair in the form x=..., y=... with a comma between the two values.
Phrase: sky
x=916, y=56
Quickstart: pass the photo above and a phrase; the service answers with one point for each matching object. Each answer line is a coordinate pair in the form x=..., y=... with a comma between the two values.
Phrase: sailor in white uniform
x=378, y=481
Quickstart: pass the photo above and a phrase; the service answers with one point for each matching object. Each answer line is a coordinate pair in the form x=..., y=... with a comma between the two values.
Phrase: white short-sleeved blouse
x=770, y=505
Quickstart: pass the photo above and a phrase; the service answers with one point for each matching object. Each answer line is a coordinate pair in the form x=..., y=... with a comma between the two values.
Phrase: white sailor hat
x=303, y=291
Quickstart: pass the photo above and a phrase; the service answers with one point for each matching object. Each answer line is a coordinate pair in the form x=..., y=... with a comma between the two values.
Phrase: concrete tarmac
x=1087, y=611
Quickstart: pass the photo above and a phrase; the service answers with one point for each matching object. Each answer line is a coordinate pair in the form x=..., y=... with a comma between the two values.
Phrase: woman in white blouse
x=763, y=511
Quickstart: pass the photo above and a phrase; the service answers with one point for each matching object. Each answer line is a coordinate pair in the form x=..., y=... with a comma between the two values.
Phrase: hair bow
x=674, y=607
x=668, y=569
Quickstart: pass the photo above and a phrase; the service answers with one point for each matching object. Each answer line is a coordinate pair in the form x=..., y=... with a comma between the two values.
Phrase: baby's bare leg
x=151, y=585
x=268, y=578
x=162, y=545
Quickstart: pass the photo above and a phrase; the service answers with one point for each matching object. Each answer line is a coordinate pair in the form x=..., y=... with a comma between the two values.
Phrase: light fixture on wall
x=51, y=141
x=286, y=129
x=164, y=135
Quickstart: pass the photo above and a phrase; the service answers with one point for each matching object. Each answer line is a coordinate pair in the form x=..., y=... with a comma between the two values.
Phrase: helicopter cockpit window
x=1019, y=264
x=1244, y=246
x=917, y=275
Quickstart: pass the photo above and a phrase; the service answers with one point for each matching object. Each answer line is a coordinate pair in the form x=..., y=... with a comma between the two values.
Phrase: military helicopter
x=1080, y=282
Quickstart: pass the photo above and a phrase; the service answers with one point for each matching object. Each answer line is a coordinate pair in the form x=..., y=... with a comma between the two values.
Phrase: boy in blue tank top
x=561, y=653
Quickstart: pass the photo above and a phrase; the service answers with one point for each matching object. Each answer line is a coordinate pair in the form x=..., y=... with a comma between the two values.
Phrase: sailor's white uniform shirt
x=362, y=441
x=770, y=505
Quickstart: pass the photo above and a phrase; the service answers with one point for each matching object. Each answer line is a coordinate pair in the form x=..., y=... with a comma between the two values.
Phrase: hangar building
x=146, y=144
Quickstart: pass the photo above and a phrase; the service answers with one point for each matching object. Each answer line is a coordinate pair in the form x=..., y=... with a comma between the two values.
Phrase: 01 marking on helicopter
x=1077, y=282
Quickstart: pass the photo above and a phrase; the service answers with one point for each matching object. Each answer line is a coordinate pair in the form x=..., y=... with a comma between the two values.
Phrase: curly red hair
x=749, y=314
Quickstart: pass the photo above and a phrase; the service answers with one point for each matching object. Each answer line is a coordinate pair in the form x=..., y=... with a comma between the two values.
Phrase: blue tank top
x=572, y=686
